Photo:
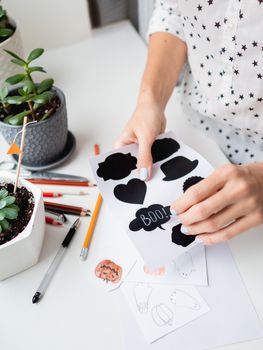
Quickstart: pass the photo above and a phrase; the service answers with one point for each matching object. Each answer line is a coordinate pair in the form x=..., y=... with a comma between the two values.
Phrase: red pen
x=52, y=194
x=52, y=221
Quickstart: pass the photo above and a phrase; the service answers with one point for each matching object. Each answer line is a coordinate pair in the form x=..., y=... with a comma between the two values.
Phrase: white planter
x=14, y=43
x=23, y=251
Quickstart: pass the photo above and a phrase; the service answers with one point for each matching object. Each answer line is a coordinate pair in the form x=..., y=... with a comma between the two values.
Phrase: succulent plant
x=6, y=30
x=36, y=101
x=8, y=209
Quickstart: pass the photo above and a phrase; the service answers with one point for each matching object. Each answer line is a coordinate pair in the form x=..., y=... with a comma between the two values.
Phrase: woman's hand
x=228, y=202
x=146, y=123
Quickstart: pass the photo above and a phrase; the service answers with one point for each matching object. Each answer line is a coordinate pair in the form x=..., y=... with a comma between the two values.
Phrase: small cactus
x=8, y=210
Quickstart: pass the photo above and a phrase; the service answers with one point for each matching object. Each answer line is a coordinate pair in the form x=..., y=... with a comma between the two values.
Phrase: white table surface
x=100, y=77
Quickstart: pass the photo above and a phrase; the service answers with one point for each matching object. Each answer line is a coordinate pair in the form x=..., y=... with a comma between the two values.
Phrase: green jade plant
x=31, y=95
x=6, y=29
x=8, y=210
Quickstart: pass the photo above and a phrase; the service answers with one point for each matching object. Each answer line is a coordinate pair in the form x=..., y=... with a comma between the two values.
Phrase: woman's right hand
x=146, y=123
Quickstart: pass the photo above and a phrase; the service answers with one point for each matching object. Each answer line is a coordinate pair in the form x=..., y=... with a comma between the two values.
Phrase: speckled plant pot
x=14, y=43
x=45, y=140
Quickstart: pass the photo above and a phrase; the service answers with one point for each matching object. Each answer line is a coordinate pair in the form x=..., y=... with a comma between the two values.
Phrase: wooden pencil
x=93, y=221
x=61, y=182
x=67, y=209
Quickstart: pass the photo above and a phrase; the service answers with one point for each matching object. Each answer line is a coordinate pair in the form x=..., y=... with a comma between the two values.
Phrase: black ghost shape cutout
x=150, y=218
x=164, y=148
x=117, y=166
x=178, y=167
x=180, y=238
x=134, y=192
x=191, y=181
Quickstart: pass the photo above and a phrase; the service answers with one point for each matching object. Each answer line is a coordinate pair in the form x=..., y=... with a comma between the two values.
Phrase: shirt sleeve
x=166, y=17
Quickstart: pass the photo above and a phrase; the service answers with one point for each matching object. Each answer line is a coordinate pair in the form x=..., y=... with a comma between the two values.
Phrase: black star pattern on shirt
x=231, y=64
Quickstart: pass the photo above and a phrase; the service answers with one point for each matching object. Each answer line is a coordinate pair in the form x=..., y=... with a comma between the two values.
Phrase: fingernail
x=199, y=240
x=143, y=174
x=184, y=230
x=173, y=212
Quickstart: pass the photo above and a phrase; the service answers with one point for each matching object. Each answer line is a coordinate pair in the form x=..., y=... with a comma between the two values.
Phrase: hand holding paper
x=226, y=203
x=142, y=208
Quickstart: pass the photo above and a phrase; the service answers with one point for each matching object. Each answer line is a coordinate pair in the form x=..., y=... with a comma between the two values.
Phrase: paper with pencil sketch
x=143, y=208
x=187, y=269
x=160, y=309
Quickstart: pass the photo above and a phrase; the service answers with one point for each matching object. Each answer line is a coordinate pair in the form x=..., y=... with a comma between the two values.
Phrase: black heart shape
x=134, y=192
x=180, y=238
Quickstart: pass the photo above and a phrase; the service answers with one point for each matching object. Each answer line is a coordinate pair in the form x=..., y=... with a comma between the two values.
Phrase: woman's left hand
x=226, y=203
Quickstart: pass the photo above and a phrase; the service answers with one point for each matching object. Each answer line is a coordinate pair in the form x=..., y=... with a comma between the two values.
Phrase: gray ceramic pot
x=46, y=140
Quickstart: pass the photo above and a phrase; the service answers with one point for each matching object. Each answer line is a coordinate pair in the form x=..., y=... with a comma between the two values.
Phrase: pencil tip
x=76, y=223
x=36, y=298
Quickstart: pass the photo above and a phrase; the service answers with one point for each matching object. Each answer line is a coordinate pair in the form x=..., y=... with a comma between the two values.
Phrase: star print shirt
x=223, y=79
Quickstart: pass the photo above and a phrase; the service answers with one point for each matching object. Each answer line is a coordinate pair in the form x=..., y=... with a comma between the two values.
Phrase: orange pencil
x=94, y=217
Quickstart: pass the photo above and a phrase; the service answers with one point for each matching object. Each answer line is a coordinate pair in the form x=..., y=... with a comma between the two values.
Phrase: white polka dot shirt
x=223, y=79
